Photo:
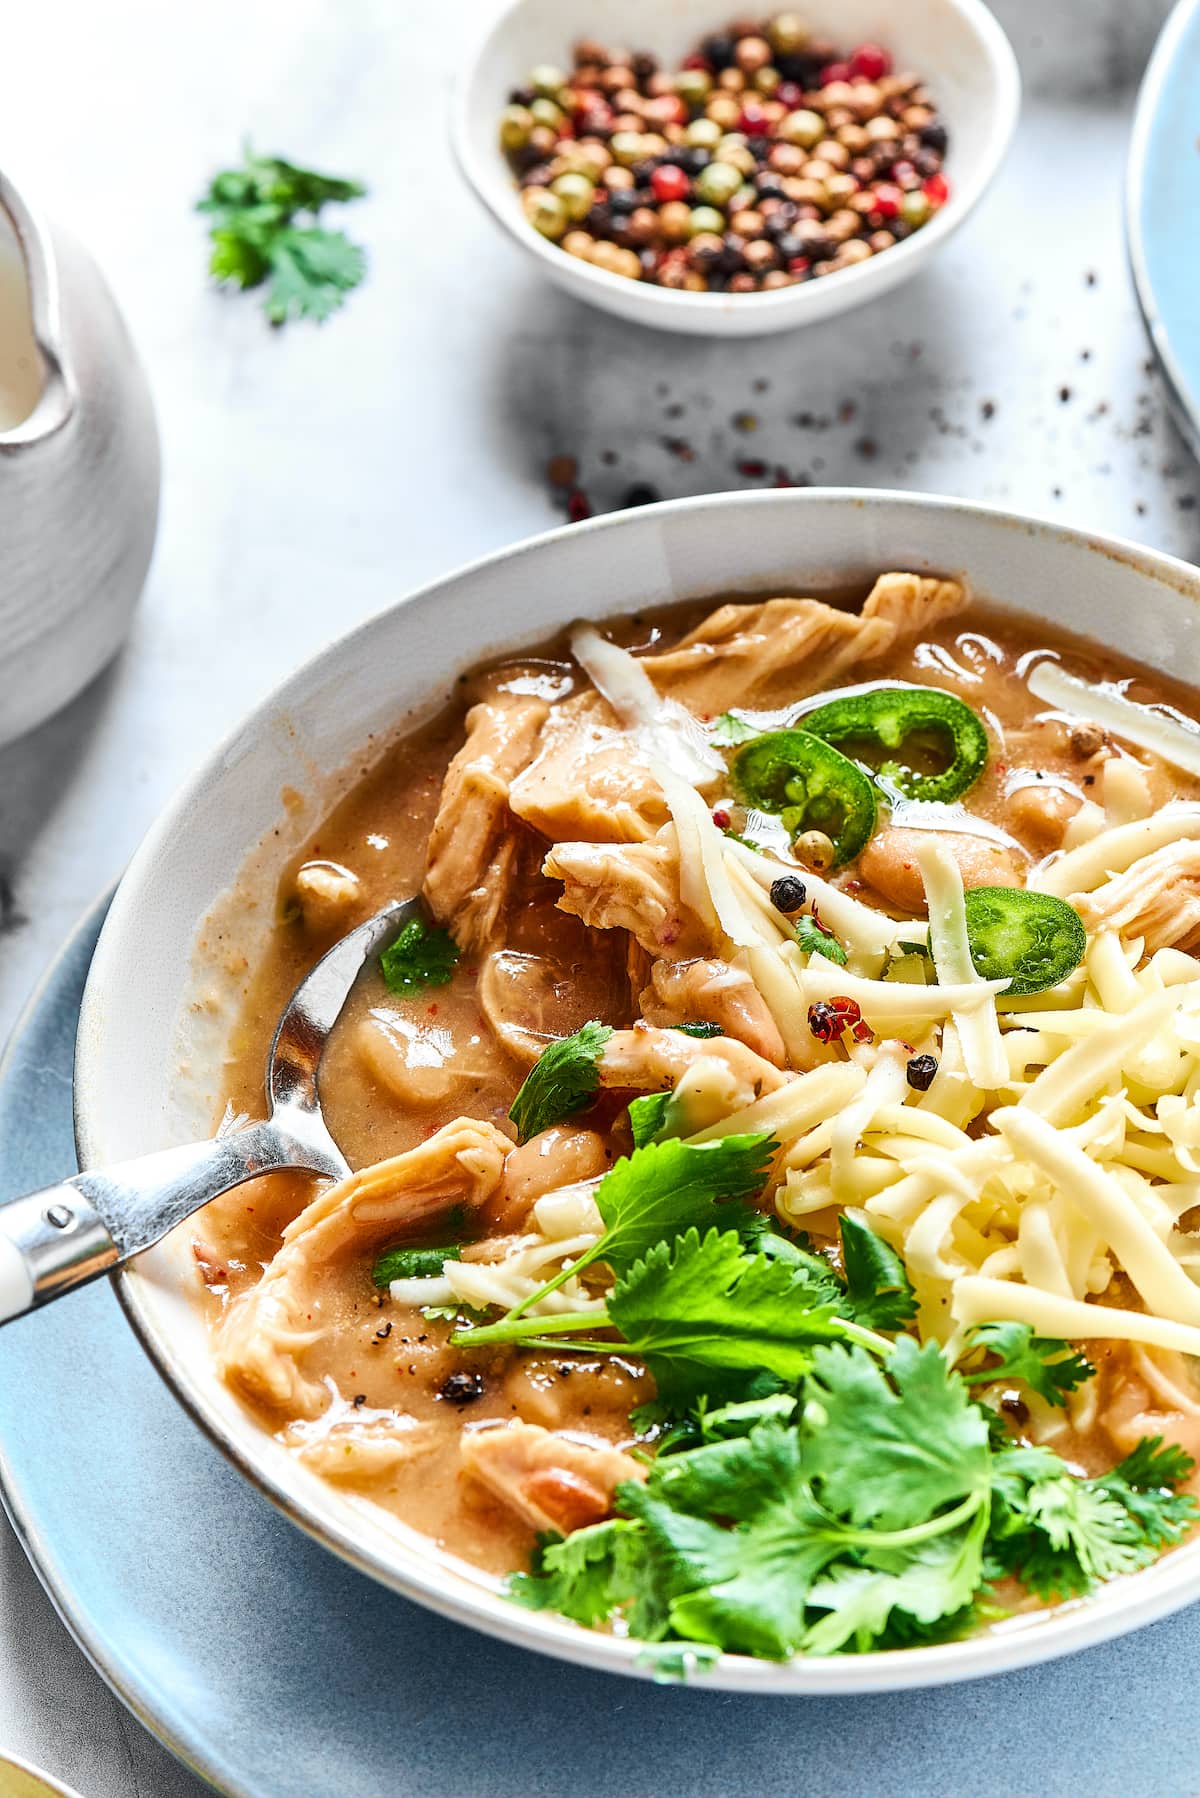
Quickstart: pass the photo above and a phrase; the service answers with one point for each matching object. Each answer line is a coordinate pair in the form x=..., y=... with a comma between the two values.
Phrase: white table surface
x=314, y=475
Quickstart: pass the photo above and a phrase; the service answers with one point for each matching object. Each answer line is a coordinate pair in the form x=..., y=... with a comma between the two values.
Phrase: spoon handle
x=54, y=1240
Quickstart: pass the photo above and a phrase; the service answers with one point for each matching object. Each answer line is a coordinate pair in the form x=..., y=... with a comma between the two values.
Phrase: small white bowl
x=130, y=1090
x=956, y=45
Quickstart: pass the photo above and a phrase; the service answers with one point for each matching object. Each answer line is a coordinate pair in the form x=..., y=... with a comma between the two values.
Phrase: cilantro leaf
x=256, y=241
x=405, y=1263
x=311, y=273
x=565, y=1078
x=647, y=1116
x=878, y=1288
x=698, y=1028
x=586, y=1575
x=422, y=955
x=1050, y=1367
x=1144, y=1483
x=933, y=1584
x=814, y=939
x=730, y=729
x=892, y=1448
x=701, y=1304
x=667, y=1188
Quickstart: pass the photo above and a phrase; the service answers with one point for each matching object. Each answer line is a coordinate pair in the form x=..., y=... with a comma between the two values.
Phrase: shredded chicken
x=633, y=887
x=266, y=1332
x=474, y=854
x=712, y=992
x=647, y=1059
x=589, y=778
x=782, y=649
x=1158, y=898
x=551, y=1480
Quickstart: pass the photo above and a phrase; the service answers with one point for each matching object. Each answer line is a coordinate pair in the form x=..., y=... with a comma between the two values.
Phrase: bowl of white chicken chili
x=771, y=1251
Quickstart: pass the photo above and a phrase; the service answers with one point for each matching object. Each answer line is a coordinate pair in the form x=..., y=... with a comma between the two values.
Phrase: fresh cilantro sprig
x=422, y=955
x=814, y=939
x=266, y=231
x=647, y=1199
x=879, y=1290
x=565, y=1078
x=1052, y=1368
x=1061, y=1536
x=868, y=1510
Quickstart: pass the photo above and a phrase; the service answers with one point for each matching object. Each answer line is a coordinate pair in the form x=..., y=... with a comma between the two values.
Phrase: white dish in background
x=404, y=663
x=956, y=45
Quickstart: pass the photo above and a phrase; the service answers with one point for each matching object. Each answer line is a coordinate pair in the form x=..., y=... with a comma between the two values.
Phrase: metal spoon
x=57, y=1239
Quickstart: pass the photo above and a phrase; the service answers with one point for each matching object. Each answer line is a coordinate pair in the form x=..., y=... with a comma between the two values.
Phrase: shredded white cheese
x=1171, y=738
x=978, y=1031
x=666, y=729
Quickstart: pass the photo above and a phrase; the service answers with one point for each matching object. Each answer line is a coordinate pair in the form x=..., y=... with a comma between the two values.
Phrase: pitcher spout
x=36, y=398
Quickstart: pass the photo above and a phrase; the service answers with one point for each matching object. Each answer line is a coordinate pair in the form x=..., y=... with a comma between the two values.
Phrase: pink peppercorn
x=887, y=199
x=871, y=61
x=669, y=183
x=790, y=95
x=936, y=190
x=834, y=71
x=720, y=818
x=753, y=121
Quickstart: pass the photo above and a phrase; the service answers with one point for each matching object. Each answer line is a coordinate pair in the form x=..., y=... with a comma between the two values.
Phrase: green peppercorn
x=576, y=194
x=545, y=112
x=746, y=196
x=803, y=127
x=787, y=33
x=705, y=218
x=693, y=86
x=915, y=209
x=545, y=212
x=547, y=80
x=626, y=147
x=516, y=122
x=703, y=134
x=717, y=185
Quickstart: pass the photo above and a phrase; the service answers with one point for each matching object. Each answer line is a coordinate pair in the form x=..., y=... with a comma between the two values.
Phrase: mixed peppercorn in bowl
x=768, y=158
x=703, y=171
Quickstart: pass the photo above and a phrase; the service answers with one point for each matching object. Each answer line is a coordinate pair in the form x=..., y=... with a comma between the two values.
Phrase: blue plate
x=278, y=1672
x=1162, y=209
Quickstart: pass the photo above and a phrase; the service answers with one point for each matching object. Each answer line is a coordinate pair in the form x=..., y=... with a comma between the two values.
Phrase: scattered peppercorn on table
x=770, y=157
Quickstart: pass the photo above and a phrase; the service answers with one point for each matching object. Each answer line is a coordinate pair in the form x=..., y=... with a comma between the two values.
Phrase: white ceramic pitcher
x=79, y=469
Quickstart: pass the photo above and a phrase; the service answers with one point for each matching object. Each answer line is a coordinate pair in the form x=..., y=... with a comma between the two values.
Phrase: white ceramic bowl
x=404, y=662
x=955, y=44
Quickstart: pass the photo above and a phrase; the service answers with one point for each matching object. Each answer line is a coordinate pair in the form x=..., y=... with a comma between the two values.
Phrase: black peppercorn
x=769, y=185
x=641, y=494
x=623, y=201
x=642, y=171
x=933, y=135
x=788, y=245
x=461, y=1388
x=788, y=894
x=644, y=65
x=694, y=159
x=759, y=147
x=522, y=96
x=599, y=219
x=920, y=1071
x=717, y=48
